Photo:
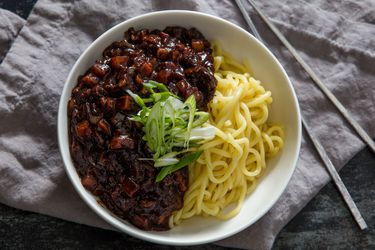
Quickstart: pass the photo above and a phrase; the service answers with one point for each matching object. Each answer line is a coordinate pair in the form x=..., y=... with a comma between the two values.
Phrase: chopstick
x=319, y=148
x=248, y=20
x=360, y=131
x=336, y=178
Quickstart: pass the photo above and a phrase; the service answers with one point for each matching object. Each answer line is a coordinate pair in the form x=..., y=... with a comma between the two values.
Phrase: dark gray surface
x=323, y=223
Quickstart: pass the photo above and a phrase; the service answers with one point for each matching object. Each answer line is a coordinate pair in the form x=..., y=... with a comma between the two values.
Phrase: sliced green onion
x=162, y=162
x=136, y=98
x=191, y=105
x=202, y=118
x=201, y=133
x=184, y=161
x=172, y=128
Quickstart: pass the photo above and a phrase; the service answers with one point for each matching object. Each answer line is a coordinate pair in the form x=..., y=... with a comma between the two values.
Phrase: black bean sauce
x=106, y=146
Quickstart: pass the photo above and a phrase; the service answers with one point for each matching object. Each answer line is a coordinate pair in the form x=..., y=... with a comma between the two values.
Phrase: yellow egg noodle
x=233, y=161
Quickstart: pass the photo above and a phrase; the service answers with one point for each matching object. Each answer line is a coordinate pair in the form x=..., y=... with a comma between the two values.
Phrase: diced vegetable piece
x=104, y=127
x=197, y=45
x=83, y=129
x=100, y=69
x=122, y=142
x=118, y=61
x=89, y=182
x=130, y=187
x=90, y=79
x=125, y=103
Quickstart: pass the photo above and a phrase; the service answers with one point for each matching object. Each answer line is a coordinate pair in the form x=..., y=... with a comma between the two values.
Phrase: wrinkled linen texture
x=10, y=25
x=336, y=38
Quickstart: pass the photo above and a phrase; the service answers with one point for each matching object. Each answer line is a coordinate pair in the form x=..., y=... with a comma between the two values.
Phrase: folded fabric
x=335, y=40
x=10, y=25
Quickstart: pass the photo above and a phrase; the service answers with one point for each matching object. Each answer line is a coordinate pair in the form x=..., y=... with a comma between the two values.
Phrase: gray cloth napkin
x=336, y=38
x=10, y=25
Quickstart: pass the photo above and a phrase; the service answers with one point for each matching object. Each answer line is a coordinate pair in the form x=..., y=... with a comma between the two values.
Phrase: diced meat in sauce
x=107, y=147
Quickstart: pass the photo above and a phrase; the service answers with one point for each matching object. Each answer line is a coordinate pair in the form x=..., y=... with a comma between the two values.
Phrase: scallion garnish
x=172, y=128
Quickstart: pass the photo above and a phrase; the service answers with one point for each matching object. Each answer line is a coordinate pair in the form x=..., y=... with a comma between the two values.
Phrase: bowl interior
x=284, y=110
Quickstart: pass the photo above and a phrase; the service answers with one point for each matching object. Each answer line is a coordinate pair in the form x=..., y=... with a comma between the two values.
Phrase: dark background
x=324, y=223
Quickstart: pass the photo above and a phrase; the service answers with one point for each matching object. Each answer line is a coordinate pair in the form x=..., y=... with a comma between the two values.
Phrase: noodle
x=233, y=161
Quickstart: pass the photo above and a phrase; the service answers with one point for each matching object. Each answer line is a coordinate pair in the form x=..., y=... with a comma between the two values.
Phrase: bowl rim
x=106, y=214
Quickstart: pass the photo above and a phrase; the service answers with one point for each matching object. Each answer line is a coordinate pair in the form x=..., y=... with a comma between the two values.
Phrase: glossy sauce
x=106, y=146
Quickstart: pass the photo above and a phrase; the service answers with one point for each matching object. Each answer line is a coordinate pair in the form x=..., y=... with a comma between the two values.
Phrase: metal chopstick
x=361, y=132
x=319, y=148
x=248, y=20
x=336, y=179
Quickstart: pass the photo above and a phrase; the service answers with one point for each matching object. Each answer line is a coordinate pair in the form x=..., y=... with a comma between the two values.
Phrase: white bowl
x=285, y=110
